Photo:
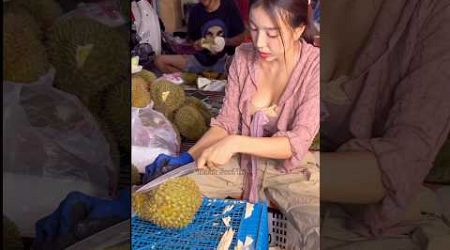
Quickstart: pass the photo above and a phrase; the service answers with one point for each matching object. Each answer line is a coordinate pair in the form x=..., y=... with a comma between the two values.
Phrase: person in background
x=215, y=27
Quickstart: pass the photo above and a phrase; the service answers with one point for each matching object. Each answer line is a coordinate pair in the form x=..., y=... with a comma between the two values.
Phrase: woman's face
x=268, y=37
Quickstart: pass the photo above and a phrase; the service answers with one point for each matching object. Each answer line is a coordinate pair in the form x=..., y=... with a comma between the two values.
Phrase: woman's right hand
x=165, y=163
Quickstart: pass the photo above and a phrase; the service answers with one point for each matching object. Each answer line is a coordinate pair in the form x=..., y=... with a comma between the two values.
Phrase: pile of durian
x=189, y=116
x=173, y=204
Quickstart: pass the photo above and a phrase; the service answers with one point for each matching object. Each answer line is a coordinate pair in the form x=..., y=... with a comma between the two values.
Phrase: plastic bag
x=147, y=24
x=151, y=134
x=49, y=133
x=106, y=12
x=51, y=144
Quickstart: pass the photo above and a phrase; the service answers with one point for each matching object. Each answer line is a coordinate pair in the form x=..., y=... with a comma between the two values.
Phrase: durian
x=190, y=122
x=140, y=95
x=148, y=76
x=173, y=204
x=211, y=74
x=166, y=96
x=88, y=56
x=28, y=21
x=189, y=78
x=24, y=56
x=46, y=12
x=11, y=235
x=200, y=106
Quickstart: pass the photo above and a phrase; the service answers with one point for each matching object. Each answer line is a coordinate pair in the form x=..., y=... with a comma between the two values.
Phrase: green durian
x=190, y=122
x=148, y=76
x=166, y=96
x=88, y=56
x=11, y=235
x=173, y=204
x=24, y=56
x=200, y=106
x=140, y=95
x=27, y=20
x=189, y=78
x=46, y=12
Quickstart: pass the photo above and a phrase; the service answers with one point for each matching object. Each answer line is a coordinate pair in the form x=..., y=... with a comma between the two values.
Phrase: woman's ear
x=298, y=32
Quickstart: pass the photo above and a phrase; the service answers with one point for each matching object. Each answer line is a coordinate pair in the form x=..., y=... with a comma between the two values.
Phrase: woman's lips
x=264, y=55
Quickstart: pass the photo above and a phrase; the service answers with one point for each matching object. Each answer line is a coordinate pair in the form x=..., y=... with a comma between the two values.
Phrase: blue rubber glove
x=78, y=207
x=165, y=163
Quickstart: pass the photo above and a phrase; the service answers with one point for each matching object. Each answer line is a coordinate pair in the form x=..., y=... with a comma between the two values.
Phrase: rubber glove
x=165, y=163
x=78, y=207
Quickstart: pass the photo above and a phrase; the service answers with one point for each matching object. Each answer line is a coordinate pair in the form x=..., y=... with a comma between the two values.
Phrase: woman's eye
x=272, y=33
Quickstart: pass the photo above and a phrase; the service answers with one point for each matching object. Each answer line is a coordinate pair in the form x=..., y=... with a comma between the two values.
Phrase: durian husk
x=190, y=122
x=167, y=96
x=24, y=56
x=27, y=20
x=148, y=76
x=140, y=95
x=88, y=56
x=200, y=106
x=189, y=78
x=46, y=12
x=173, y=204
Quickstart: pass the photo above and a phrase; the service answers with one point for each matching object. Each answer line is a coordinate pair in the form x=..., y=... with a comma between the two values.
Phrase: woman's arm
x=267, y=147
x=213, y=135
x=226, y=123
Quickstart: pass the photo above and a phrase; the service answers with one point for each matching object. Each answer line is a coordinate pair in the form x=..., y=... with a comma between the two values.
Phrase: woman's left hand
x=218, y=154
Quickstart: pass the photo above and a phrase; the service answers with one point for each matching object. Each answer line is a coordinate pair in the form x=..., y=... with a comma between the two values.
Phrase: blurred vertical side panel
x=385, y=121
x=66, y=124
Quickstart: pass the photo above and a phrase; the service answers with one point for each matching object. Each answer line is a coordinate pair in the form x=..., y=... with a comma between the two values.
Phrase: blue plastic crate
x=206, y=230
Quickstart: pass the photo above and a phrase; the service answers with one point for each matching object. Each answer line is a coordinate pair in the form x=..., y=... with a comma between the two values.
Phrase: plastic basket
x=207, y=228
x=277, y=229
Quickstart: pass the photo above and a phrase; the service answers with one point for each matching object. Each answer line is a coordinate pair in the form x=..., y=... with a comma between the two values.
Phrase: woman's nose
x=260, y=40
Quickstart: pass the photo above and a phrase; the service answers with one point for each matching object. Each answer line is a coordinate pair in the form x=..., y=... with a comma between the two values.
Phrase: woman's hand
x=218, y=154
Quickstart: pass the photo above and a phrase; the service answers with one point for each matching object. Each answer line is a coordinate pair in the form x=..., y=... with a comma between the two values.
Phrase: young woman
x=268, y=121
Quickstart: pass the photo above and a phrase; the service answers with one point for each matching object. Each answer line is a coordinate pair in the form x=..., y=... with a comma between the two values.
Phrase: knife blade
x=177, y=172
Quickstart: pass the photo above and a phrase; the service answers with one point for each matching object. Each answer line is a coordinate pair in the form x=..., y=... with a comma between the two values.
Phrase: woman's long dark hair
x=297, y=13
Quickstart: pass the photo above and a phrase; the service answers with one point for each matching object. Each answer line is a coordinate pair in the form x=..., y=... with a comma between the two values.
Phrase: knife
x=177, y=172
